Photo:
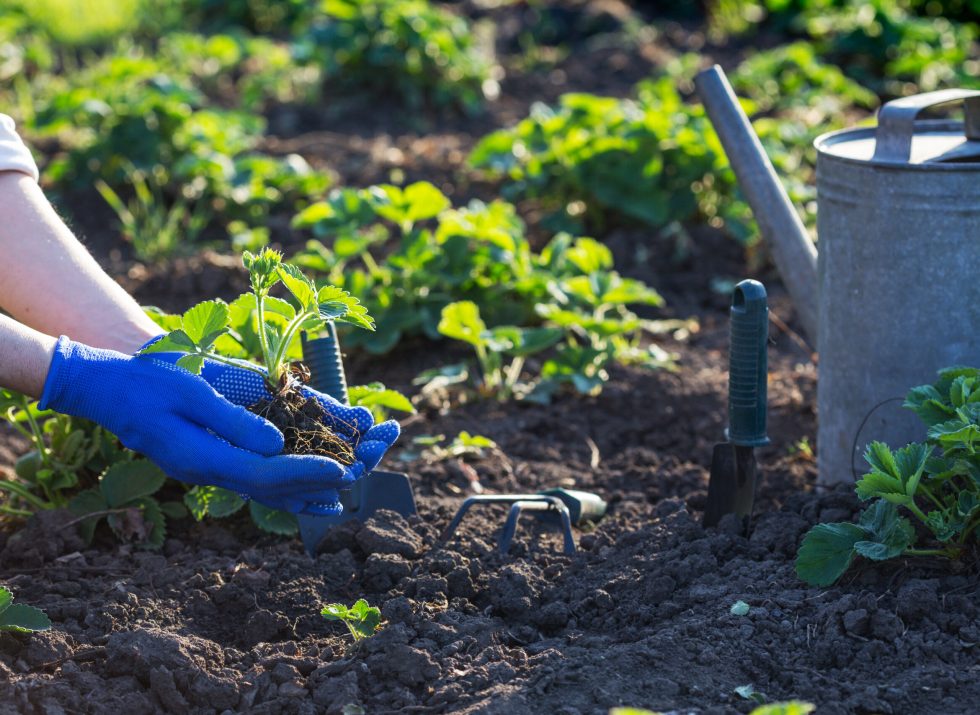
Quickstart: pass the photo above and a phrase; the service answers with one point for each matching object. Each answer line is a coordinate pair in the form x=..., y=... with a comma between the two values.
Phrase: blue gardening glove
x=189, y=430
x=354, y=424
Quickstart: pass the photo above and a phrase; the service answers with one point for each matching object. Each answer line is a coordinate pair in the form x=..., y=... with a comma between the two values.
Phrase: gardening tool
x=892, y=297
x=732, y=486
x=376, y=490
x=563, y=507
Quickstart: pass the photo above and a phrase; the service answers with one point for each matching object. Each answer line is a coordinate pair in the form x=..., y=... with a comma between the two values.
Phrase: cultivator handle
x=748, y=365
x=322, y=357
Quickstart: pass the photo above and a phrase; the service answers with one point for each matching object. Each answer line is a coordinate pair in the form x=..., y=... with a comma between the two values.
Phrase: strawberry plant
x=412, y=48
x=936, y=483
x=125, y=499
x=206, y=332
x=19, y=618
x=361, y=619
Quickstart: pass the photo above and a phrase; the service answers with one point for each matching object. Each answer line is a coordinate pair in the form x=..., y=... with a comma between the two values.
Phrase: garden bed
x=225, y=618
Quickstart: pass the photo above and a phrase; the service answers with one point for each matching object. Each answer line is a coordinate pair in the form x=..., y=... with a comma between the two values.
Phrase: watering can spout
x=792, y=250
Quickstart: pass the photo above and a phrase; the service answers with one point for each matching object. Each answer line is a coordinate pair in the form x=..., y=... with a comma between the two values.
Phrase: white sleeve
x=14, y=155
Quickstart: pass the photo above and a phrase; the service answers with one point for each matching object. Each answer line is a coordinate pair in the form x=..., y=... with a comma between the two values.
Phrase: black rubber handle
x=748, y=365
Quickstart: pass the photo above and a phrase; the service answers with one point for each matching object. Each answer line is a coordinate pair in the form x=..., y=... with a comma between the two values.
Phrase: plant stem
x=287, y=337
x=13, y=511
x=263, y=341
x=22, y=491
x=948, y=552
x=235, y=363
x=918, y=512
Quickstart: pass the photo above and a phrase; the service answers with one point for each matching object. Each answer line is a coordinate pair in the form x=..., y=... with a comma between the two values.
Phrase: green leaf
x=826, y=552
x=205, y=322
x=212, y=501
x=20, y=618
x=174, y=510
x=124, y=482
x=87, y=502
x=750, y=693
x=272, y=520
x=6, y=598
x=424, y=201
x=176, y=341
x=335, y=612
x=377, y=395
x=192, y=363
x=891, y=533
x=462, y=321
x=302, y=288
x=791, y=707
x=262, y=269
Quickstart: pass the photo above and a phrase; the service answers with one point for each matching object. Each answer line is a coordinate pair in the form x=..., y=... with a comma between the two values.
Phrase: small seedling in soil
x=205, y=332
x=18, y=618
x=361, y=619
x=936, y=482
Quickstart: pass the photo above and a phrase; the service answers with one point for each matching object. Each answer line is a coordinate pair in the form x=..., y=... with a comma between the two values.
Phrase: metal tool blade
x=732, y=486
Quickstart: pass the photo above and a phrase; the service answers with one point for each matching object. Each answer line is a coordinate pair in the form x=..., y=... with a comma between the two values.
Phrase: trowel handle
x=748, y=365
x=322, y=356
x=896, y=121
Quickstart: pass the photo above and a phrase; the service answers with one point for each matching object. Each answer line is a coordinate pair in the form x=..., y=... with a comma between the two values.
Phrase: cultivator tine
x=560, y=506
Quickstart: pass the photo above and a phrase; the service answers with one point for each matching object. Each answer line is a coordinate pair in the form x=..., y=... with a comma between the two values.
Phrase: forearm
x=25, y=355
x=48, y=281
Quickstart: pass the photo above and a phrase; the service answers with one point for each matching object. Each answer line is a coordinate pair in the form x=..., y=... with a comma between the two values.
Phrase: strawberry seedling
x=936, y=482
x=361, y=619
x=270, y=327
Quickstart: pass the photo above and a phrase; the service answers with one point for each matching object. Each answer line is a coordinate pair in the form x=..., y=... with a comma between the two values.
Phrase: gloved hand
x=354, y=424
x=190, y=431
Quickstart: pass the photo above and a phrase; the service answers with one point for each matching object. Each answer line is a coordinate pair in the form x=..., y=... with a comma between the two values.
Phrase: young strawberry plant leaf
x=337, y=304
x=262, y=269
x=361, y=619
x=826, y=552
x=86, y=502
x=462, y=321
x=6, y=598
x=890, y=534
x=125, y=482
x=273, y=520
x=791, y=707
x=301, y=287
x=212, y=501
x=205, y=322
x=20, y=618
x=192, y=363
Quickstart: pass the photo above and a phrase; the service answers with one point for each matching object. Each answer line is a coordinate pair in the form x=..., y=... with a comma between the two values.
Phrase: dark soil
x=302, y=421
x=225, y=618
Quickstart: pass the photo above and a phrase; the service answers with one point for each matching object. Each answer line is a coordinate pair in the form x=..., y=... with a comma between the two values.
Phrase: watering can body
x=898, y=271
x=892, y=296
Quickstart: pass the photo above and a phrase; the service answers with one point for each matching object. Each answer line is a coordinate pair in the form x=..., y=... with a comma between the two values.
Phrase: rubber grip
x=322, y=356
x=748, y=365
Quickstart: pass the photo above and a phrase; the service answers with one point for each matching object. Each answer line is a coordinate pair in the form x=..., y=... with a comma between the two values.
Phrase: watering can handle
x=896, y=121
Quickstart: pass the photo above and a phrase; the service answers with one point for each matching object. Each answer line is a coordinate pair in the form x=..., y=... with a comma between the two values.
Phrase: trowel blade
x=731, y=489
x=375, y=491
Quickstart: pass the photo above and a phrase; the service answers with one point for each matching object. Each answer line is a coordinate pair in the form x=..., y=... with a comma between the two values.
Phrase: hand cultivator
x=379, y=489
x=563, y=507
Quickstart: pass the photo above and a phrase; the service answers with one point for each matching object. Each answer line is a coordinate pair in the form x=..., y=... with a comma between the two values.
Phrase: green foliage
x=791, y=707
x=595, y=160
x=125, y=499
x=80, y=23
x=380, y=400
x=479, y=259
x=66, y=453
x=415, y=49
x=218, y=503
x=941, y=491
x=258, y=323
x=361, y=619
x=155, y=229
x=19, y=618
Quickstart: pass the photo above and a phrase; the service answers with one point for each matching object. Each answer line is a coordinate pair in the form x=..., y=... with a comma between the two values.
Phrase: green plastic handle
x=748, y=365
x=322, y=356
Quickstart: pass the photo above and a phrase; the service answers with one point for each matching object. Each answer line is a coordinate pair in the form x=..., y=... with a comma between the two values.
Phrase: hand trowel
x=732, y=486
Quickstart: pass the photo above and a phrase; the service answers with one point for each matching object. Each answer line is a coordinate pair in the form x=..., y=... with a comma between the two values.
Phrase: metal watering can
x=893, y=295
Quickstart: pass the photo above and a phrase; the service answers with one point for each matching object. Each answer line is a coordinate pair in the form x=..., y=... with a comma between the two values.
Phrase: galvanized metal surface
x=899, y=282
x=780, y=225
